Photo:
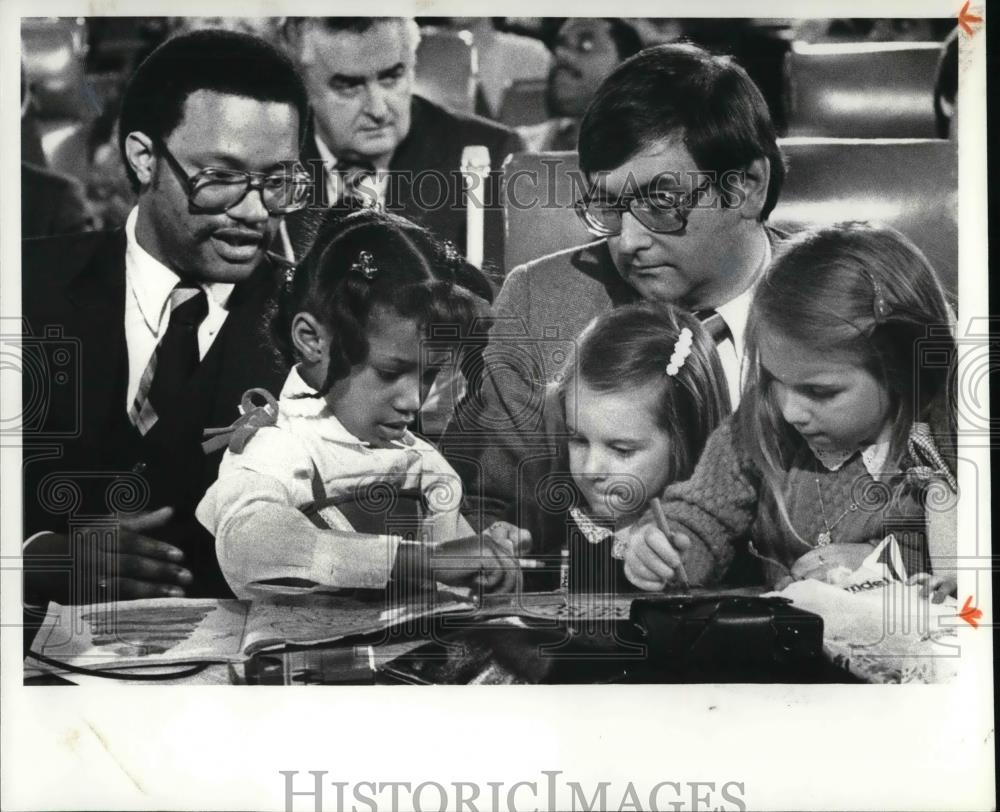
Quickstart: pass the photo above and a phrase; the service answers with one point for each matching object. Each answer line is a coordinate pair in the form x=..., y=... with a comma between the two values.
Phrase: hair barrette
x=364, y=266
x=451, y=255
x=682, y=349
x=880, y=307
x=452, y=259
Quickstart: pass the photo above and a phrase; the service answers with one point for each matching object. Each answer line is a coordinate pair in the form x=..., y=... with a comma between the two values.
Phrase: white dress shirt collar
x=735, y=311
x=329, y=159
x=375, y=185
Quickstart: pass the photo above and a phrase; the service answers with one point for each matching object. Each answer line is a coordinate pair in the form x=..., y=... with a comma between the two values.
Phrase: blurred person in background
x=51, y=203
x=108, y=189
x=31, y=140
x=586, y=50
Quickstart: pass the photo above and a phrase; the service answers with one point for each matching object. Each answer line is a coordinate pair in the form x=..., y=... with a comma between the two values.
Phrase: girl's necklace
x=826, y=536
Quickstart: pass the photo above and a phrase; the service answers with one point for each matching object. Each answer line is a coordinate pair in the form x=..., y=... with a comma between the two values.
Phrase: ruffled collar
x=593, y=532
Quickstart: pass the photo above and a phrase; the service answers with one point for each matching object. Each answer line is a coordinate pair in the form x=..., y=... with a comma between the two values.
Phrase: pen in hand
x=661, y=522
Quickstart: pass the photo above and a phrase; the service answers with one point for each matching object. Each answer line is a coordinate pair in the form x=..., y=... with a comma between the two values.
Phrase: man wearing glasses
x=153, y=332
x=683, y=169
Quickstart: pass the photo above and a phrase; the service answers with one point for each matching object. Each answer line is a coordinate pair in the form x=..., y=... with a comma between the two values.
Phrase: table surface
x=574, y=648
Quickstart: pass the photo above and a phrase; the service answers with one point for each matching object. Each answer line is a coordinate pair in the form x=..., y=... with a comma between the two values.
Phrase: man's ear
x=755, y=181
x=141, y=156
x=310, y=338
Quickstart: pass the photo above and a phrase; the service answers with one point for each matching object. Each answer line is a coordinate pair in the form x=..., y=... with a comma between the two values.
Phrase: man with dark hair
x=150, y=333
x=369, y=124
x=586, y=50
x=683, y=169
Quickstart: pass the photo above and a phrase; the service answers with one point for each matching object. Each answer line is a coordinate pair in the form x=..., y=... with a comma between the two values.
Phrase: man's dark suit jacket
x=432, y=150
x=82, y=459
x=52, y=203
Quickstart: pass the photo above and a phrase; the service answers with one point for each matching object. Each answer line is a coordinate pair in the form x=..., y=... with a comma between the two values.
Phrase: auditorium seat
x=524, y=103
x=909, y=184
x=446, y=69
x=861, y=90
x=539, y=190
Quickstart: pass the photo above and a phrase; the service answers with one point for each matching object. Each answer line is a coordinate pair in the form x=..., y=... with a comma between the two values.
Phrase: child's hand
x=477, y=561
x=819, y=562
x=518, y=539
x=652, y=559
x=941, y=585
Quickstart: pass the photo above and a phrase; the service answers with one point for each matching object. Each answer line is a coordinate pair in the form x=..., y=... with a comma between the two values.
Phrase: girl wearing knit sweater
x=845, y=432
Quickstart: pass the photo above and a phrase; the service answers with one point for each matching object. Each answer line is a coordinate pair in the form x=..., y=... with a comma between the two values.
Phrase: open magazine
x=166, y=631
x=171, y=631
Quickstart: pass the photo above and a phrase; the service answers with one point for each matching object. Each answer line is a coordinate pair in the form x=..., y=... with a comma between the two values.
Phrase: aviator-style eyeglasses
x=659, y=210
x=213, y=190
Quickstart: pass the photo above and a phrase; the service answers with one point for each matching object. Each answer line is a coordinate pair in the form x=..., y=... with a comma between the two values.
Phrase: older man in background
x=374, y=141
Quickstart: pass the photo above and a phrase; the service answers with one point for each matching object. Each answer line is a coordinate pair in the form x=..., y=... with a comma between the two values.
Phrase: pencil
x=661, y=522
x=531, y=563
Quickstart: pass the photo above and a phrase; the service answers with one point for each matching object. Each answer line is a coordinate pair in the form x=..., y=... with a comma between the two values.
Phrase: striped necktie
x=358, y=185
x=716, y=326
x=175, y=359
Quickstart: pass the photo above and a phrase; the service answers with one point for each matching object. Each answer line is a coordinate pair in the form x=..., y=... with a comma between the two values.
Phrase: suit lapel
x=595, y=261
x=98, y=321
x=243, y=348
x=417, y=152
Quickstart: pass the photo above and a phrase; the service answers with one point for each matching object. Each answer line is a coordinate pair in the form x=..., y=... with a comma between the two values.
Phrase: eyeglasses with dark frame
x=213, y=190
x=660, y=211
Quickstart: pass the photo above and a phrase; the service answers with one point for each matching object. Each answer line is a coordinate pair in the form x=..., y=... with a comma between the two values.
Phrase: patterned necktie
x=175, y=359
x=357, y=183
x=712, y=321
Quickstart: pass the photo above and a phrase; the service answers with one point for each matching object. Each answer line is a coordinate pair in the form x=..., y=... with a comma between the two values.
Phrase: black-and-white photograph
x=500, y=351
